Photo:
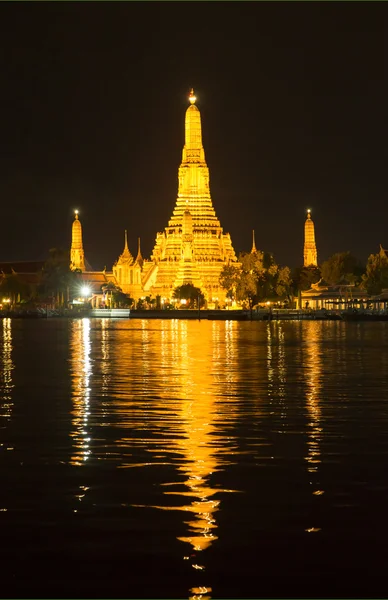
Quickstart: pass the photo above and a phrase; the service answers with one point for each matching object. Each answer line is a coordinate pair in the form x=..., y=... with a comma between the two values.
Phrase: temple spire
x=139, y=258
x=253, y=242
x=77, y=255
x=310, y=250
x=193, y=128
x=125, y=240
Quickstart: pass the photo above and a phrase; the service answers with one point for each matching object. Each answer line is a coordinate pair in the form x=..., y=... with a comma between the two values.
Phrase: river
x=193, y=459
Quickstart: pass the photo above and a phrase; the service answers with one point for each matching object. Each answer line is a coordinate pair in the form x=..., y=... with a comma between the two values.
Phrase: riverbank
x=220, y=315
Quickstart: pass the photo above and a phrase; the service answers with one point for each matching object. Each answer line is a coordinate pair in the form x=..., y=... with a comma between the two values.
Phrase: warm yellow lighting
x=77, y=255
x=310, y=258
x=183, y=301
x=268, y=303
x=192, y=97
x=85, y=291
x=6, y=299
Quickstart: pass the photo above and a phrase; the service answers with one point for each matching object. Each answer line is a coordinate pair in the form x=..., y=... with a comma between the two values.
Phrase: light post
x=85, y=293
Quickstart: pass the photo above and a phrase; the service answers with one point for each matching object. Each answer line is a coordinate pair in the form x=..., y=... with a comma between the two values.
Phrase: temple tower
x=77, y=256
x=310, y=249
x=194, y=234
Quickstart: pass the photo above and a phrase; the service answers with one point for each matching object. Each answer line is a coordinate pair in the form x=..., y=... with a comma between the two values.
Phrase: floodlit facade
x=128, y=271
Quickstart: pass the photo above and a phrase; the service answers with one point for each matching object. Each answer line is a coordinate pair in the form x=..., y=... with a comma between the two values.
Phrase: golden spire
x=126, y=256
x=77, y=256
x=310, y=250
x=253, y=242
x=193, y=131
x=139, y=258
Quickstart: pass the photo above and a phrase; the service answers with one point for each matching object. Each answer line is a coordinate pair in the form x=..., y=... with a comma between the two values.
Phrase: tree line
x=259, y=278
x=256, y=278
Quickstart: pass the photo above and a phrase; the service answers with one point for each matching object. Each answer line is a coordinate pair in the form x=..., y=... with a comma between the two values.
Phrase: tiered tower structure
x=77, y=256
x=193, y=247
x=310, y=250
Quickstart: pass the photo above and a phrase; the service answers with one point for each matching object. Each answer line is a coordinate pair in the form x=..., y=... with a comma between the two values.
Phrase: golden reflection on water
x=7, y=367
x=197, y=416
x=194, y=371
x=313, y=364
x=276, y=370
x=81, y=371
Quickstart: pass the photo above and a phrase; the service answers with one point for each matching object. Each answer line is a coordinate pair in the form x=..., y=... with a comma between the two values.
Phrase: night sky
x=294, y=113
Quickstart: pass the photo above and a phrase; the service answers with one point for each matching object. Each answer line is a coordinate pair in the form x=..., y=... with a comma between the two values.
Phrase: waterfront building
x=310, y=250
x=193, y=247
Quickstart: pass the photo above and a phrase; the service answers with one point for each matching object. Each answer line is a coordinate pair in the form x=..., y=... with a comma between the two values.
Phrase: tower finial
x=253, y=242
x=76, y=213
x=192, y=97
x=125, y=240
x=309, y=213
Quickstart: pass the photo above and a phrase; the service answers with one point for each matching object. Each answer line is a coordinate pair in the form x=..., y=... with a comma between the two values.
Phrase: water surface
x=182, y=459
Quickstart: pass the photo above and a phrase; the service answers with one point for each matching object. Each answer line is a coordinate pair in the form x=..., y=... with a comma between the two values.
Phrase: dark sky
x=294, y=115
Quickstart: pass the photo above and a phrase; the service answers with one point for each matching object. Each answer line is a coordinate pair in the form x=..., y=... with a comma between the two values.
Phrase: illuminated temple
x=193, y=247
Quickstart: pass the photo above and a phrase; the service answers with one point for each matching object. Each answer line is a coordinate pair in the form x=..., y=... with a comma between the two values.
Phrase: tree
x=58, y=278
x=257, y=278
x=342, y=267
x=376, y=277
x=228, y=280
x=304, y=277
x=190, y=293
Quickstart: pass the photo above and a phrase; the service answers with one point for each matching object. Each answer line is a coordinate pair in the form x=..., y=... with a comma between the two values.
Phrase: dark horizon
x=292, y=105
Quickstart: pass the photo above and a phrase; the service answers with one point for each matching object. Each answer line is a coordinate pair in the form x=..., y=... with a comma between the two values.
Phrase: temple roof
x=22, y=267
x=126, y=257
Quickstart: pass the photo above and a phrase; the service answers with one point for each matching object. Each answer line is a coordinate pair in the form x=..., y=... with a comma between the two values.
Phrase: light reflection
x=7, y=366
x=81, y=370
x=276, y=370
x=312, y=363
x=192, y=391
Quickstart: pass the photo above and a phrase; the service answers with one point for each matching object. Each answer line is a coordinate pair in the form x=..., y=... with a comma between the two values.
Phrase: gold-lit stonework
x=193, y=247
x=127, y=271
x=77, y=256
x=310, y=250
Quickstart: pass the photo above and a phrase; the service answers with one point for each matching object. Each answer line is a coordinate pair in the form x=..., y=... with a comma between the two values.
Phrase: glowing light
x=309, y=210
x=85, y=291
x=192, y=97
x=76, y=211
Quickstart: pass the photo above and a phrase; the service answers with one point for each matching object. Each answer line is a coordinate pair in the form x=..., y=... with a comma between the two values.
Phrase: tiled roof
x=22, y=267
